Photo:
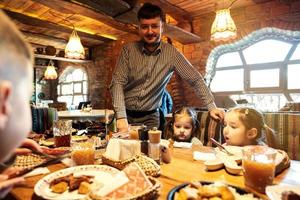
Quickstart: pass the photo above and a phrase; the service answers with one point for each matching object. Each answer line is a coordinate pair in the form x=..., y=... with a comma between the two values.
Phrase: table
x=81, y=115
x=182, y=169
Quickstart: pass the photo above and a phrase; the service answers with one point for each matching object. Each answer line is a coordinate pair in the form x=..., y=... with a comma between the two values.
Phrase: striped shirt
x=140, y=78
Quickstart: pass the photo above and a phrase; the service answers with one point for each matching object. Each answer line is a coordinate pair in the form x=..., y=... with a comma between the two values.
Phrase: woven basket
x=151, y=193
x=116, y=163
x=148, y=165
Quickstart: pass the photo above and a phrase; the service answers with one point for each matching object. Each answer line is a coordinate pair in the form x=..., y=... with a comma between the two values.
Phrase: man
x=143, y=70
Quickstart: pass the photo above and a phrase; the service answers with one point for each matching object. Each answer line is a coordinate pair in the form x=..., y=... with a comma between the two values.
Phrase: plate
x=100, y=172
x=274, y=192
x=240, y=191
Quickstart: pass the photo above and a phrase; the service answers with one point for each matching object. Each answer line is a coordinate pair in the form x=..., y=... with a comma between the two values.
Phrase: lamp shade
x=74, y=48
x=50, y=73
x=223, y=27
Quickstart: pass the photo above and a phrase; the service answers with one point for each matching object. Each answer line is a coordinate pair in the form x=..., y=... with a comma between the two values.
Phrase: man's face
x=150, y=30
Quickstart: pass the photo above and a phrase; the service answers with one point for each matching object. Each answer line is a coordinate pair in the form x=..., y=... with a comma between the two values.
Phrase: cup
x=258, y=167
x=62, y=131
x=134, y=132
x=83, y=152
x=154, y=135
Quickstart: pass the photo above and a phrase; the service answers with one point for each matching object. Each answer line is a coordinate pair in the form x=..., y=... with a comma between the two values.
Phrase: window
x=72, y=86
x=262, y=68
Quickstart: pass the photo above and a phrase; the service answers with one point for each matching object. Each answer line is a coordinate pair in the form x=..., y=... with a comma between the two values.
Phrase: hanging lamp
x=50, y=73
x=74, y=48
x=223, y=27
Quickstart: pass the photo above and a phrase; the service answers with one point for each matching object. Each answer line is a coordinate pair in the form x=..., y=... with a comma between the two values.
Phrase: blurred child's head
x=243, y=126
x=184, y=124
x=16, y=61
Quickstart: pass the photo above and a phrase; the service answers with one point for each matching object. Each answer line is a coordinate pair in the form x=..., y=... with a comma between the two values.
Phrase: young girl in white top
x=183, y=126
x=245, y=126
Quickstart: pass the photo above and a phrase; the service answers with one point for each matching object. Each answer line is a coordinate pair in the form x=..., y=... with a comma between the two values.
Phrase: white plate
x=274, y=192
x=100, y=172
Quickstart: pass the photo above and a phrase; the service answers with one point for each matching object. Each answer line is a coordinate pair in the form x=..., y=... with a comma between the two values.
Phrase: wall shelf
x=61, y=58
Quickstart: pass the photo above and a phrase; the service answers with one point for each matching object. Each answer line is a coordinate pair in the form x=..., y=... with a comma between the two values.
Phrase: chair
x=83, y=104
x=60, y=106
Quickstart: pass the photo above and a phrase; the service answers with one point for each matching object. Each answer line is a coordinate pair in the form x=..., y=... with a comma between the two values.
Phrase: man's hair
x=15, y=53
x=149, y=11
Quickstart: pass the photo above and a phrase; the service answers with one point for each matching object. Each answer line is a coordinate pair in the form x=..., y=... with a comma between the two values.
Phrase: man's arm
x=187, y=72
x=119, y=79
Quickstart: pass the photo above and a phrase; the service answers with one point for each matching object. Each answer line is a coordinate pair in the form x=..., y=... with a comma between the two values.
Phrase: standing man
x=143, y=70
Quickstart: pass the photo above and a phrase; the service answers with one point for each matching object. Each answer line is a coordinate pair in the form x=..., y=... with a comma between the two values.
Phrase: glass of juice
x=62, y=131
x=83, y=152
x=258, y=167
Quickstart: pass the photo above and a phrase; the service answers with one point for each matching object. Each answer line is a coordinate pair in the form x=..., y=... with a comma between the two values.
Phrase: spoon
x=221, y=146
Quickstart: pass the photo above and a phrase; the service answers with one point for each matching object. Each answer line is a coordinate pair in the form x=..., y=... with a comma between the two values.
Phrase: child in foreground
x=245, y=126
x=183, y=126
x=16, y=71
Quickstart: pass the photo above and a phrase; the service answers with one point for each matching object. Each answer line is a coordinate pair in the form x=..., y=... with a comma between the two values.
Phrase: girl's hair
x=184, y=111
x=252, y=118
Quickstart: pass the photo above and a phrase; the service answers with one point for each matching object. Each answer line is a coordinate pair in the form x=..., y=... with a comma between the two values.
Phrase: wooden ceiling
x=50, y=22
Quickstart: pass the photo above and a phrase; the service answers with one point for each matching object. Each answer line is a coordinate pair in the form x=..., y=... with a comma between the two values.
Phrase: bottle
x=154, y=144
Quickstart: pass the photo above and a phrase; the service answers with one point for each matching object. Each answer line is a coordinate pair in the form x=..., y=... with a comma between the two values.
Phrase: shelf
x=61, y=58
x=181, y=35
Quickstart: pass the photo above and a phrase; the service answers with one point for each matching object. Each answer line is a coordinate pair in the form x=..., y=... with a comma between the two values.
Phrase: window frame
x=291, y=37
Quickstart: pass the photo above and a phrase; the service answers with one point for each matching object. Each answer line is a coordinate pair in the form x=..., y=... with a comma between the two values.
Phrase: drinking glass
x=62, y=131
x=83, y=152
x=258, y=167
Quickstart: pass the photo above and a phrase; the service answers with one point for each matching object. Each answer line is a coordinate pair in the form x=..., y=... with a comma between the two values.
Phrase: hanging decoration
x=223, y=27
x=50, y=73
x=74, y=48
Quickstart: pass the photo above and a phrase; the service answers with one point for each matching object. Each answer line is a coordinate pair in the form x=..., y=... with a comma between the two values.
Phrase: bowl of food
x=209, y=190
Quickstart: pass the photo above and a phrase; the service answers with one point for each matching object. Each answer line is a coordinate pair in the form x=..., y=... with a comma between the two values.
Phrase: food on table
x=214, y=191
x=290, y=195
x=60, y=187
x=84, y=188
x=29, y=161
x=72, y=183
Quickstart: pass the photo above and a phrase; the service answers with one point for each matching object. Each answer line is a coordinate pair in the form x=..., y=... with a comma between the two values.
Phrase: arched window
x=72, y=86
x=262, y=68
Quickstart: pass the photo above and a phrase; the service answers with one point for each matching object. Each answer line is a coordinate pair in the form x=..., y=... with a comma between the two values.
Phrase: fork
x=221, y=147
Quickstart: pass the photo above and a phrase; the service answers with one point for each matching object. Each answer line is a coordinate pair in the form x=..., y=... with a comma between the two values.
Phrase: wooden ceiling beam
x=44, y=40
x=70, y=7
x=24, y=19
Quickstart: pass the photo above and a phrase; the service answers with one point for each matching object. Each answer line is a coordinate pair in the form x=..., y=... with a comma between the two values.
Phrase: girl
x=183, y=126
x=245, y=126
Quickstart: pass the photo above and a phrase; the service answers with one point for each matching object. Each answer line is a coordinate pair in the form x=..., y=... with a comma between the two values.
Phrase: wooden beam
x=44, y=40
x=24, y=19
x=177, y=13
x=69, y=7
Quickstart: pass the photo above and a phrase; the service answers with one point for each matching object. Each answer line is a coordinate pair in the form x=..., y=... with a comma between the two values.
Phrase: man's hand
x=122, y=125
x=217, y=114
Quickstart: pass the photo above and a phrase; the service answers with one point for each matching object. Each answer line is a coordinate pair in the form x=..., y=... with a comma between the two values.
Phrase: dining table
x=93, y=114
x=182, y=169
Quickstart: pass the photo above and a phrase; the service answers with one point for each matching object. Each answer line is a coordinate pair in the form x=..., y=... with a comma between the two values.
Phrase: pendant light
x=50, y=73
x=223, y=27
x=74, y=48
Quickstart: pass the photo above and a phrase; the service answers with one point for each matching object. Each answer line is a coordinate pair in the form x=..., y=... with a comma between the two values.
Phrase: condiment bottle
x=143, y=136
x=154, y=144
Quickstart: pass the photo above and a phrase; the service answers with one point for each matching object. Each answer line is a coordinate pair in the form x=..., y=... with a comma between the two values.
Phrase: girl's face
x=182, y=128
x=234, y=131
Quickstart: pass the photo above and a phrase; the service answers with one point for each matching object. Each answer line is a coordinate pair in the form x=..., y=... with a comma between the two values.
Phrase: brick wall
x=248, y=19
